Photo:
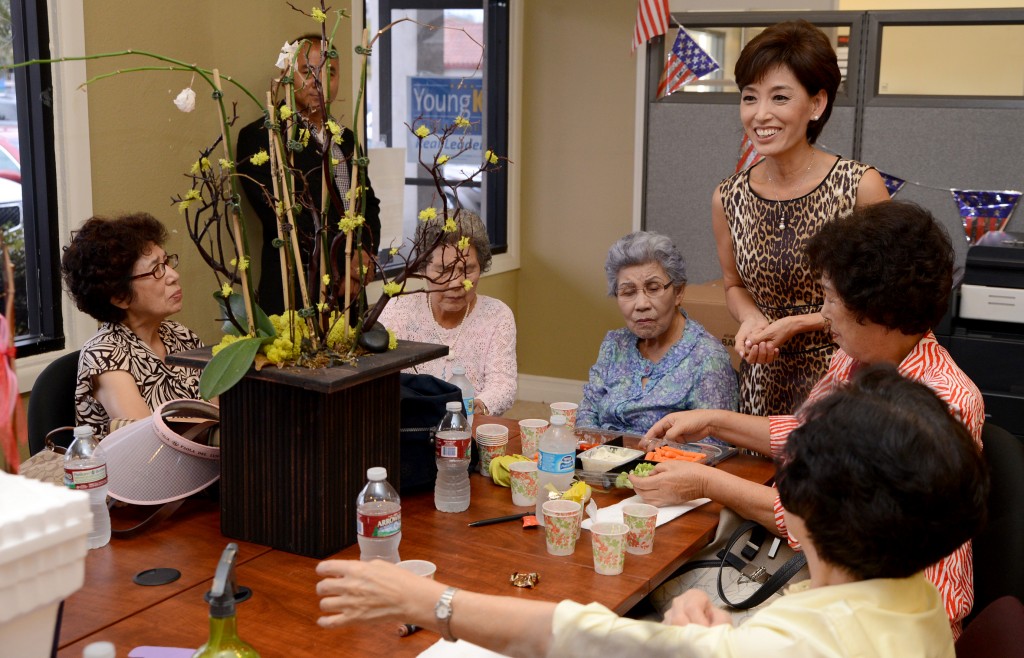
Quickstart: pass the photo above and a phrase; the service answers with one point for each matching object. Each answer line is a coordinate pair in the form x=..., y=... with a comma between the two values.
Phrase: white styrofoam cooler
x=43, y=531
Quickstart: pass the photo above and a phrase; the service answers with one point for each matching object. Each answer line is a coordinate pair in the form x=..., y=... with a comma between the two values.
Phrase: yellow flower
x=422, y=132
x=427, y=214
x=261, y=157
x=461, y=122
x=193, y=195
x=441, y=159
x=304, y=137
x=321, y=306
x=225, y=290
x=285, y=112
x=391, y=288
x=202, y=164
x=326, y=279
x=335, y=162
x=392, y=340
x=335, y=129
x=463, y=243
x=490, y=156
x=245, y=263
x=450, y=226
x=226, y=164
x=467, y=284
x=393, y=251
x=350, y=222
x=363, y=270
x=318, y=15
x=225, y=340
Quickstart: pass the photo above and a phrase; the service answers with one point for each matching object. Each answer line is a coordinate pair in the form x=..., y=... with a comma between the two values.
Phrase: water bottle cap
x=377, y=473
x=458, y=369
x=557, y=420
x=83, y=430
x=453, y=406
x=99, y=650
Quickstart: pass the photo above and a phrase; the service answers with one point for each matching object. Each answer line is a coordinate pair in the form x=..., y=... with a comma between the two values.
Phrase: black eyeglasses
x=160, y=269
x=651, y=289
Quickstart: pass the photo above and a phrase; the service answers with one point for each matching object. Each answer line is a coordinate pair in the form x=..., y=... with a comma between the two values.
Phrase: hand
x=671, y=483
x=763, y=345
x=480, y=408
x=681, y=426
x=353, y=591
x=694, y=607
x=751, y=325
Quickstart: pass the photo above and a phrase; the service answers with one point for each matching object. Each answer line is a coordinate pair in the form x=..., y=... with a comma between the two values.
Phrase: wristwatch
x=443, y=612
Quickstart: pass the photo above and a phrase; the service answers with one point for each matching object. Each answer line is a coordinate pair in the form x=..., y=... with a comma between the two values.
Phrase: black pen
x=499, y=519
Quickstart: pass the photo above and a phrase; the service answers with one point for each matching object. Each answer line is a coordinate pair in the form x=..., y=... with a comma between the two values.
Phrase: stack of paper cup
x=491, y=440
x=567, y=409
x=530, y=430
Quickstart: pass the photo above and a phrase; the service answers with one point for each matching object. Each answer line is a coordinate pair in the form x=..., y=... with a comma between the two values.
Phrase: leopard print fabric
x=772, y=266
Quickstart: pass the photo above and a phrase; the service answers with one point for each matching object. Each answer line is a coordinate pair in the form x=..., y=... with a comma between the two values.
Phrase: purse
x=422, y=406
x=744, y=568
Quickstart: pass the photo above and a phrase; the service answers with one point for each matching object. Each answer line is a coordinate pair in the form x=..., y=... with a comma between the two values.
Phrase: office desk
x=280, y=618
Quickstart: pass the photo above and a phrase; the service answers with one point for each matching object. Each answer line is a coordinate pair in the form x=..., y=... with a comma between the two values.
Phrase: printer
x=984, y=331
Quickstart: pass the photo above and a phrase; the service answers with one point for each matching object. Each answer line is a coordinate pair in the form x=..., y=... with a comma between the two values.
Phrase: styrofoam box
x=43, y=531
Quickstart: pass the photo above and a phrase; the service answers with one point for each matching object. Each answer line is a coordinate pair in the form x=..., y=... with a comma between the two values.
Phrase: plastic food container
x=43, y=531
x=601, y=459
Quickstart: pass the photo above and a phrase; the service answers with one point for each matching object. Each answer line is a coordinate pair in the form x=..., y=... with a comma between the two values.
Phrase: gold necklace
x=775, y=191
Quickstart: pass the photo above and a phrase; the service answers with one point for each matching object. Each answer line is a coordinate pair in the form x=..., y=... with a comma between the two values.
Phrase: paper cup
x=529, y=435
x=609, y=541
x=561, y=522
x=567, y=409
x=641, y=520
x=424, y=568
x=489, y=452
x=523, y=478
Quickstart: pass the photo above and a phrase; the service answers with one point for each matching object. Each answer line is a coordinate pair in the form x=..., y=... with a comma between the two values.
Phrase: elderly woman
x=480, y=331
x=871, y=516
x=762, y=217
x=661, y=361
x=887, y=271
x=117, y=271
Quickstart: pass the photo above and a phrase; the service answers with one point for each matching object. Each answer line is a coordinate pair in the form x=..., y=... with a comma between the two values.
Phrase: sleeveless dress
x=771, y=263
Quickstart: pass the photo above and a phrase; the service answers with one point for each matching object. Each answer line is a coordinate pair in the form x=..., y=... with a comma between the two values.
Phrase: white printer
x=993, y=287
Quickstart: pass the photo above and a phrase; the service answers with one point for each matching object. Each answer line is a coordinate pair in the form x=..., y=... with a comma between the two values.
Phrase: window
x=438, y=74
x=27, y=178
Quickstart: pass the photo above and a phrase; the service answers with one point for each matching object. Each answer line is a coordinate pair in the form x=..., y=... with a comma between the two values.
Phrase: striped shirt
x=930, y=364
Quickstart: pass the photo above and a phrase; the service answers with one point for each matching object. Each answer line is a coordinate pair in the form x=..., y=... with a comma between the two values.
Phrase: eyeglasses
x=651, y=289
x=160, y=269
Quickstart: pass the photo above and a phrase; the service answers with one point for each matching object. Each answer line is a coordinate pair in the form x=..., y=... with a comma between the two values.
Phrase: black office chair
x=999, y=547
x=52, y=402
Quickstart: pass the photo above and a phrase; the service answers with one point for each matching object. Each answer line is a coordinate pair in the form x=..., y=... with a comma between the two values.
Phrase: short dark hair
x=886, y=480
x=803, y=49
x=890, y=262
x=98, y=262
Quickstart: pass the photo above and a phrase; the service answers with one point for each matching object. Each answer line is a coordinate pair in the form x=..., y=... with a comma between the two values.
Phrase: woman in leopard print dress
x=762, y=217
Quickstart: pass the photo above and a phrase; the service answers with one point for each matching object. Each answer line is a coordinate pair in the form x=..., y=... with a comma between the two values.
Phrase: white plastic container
x=43, y=531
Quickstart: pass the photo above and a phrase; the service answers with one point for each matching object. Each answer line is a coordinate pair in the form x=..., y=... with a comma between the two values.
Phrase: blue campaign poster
x=436, y=102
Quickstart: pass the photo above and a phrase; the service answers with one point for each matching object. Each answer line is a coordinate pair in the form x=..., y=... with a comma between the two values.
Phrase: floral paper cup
x=491, y=440
x=567, y=409
x=561, y=520
x=641, y=520
x=530, y=430
x=609, y=541
x=523, y=476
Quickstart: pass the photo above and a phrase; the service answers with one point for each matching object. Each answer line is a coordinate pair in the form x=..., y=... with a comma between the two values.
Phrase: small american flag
x=652, y=19
x=686, y=62
x=748, y=155
x=985, y=210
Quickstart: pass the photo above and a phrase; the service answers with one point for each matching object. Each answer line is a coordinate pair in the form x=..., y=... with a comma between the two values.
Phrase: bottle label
x=551, y=462
x=451, y=448
x=468, y=404
x=92, y=477
x=371, y=525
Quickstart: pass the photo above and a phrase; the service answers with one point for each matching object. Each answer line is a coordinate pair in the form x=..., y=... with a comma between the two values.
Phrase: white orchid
x=284, y=60
x=186, y=100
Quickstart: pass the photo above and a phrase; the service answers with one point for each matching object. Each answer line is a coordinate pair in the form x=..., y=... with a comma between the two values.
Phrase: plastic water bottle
x=453, y=444
x=557, y=462
x=460, y=379
x=378, y=518
x=85, y=468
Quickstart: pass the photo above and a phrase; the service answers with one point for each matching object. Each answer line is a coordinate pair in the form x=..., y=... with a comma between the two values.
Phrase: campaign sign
x=436, y=102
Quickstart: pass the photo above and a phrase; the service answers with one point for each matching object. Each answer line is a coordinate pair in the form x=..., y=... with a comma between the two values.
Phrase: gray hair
x=640, y=248
x=470, y=225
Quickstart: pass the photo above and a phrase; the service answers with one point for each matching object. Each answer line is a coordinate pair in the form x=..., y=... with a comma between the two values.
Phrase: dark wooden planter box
x=296, y=443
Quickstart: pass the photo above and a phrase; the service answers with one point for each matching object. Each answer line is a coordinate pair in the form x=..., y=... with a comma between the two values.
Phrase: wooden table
x=280, y=618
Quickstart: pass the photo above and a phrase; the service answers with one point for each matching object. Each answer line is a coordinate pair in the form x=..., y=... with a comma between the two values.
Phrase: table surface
x=280, y=618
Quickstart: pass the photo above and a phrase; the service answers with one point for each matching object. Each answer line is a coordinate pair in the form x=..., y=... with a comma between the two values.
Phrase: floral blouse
x=695, y=373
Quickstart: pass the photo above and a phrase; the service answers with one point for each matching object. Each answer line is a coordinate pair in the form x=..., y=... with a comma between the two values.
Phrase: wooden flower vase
x=296, y=443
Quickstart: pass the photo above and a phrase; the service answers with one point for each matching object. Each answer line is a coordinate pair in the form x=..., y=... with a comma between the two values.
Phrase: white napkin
x=613, y=513
x=458, y=649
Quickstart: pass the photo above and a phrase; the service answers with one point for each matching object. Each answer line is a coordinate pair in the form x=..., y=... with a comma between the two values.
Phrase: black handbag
x=422, y=405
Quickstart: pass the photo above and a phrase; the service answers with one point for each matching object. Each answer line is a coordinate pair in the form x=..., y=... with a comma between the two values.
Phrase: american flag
x=892, y=183
x=686, y=61
x=748, y=155
x=652, y=19
x=984, y=211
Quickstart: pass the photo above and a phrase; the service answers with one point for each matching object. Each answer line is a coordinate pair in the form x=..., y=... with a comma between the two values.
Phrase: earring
x=814, y=118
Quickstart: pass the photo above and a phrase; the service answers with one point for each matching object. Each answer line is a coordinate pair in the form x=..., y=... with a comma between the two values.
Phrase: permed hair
x=803, y=49
x=885, y=479
x=643, y=247
x=890, y=263
x=98, y=262
x=469, y=225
